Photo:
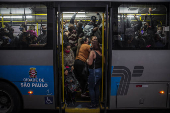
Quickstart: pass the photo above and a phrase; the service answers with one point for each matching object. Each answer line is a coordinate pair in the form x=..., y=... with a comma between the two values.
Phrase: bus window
x=141, y=26
x=23, y=25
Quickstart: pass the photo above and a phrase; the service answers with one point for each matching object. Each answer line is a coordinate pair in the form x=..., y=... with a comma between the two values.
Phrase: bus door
x=67, y=19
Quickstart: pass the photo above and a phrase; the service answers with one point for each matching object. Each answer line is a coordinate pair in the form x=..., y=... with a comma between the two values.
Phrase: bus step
x=82, y=110
x=81, y=107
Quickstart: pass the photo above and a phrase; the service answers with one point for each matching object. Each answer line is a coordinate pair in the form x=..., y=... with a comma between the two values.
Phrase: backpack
x=88, y=30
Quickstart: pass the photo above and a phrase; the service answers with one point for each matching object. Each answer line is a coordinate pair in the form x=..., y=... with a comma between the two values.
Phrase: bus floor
x=81, y=105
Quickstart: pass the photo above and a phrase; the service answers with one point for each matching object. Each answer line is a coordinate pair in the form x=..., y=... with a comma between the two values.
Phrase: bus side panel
x=30, y=70
x=138, y=76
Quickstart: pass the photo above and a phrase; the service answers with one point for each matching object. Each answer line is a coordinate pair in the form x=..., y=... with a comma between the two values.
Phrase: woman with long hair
x=80, y=63
x=95, y=73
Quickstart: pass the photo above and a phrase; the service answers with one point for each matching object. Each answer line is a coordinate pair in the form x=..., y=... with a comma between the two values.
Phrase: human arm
x=73, y=18
x=100, y=19
x=91, y=57
x=72, y=58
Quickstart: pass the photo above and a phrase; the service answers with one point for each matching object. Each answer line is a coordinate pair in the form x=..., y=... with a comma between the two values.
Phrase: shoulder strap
x=94, y=68
x=95, y=53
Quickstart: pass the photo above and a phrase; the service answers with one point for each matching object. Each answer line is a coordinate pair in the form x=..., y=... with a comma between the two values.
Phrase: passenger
x=92, y=29
x=42, y=39
x=5, y=37
x=24, y=39
x=70, y=86
x=23, y=28
x=160, y=39
x=31, y=30
x=66, y=27
x=68, y=56
x=33, y=35
x=79, y=43
x=70, y=81
x=72, y=38
x=95, y=73
x=78, y=26
x=80, y=64
x=20, y=38
x=79, y=29
x=94, y=38
x=65, y=35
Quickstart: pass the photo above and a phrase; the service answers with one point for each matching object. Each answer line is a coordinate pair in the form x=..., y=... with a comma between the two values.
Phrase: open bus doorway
x=72, y=27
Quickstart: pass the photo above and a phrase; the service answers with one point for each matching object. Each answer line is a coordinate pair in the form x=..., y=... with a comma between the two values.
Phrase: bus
x=134, y=41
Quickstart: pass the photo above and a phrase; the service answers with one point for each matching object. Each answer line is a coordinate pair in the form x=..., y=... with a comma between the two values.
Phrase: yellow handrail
x=37, y=28
x=62, y=59
x=2, y=22
x=102, y=56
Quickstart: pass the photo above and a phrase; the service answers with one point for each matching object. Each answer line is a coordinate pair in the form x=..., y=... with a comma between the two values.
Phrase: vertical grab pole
x=62, y=60
x=37, y=29
x=2, y=21
x=102, y=55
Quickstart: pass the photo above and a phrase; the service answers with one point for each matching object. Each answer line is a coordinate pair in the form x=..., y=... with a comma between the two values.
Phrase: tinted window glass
x=23, y=25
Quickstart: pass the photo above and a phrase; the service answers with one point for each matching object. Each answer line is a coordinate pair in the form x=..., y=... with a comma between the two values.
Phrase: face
x=6, y=30
x=94, y=38
x=68, y=48
x=87, y=41
x=43, y=27
x=66, y=72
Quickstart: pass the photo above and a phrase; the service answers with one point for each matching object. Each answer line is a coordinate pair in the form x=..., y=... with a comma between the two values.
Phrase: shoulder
x=92, y=52
x=86, y=46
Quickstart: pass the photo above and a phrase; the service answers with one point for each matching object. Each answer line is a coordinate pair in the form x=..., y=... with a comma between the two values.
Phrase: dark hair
x=66, y=44
x=80, y=24
x=84, y=39
x=81, y=35
x=71, y=27
x=96, y=45
x=93, y=18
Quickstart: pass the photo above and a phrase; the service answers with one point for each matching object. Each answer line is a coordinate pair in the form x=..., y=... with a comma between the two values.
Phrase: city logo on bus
x=125, y=74
x=33, y=73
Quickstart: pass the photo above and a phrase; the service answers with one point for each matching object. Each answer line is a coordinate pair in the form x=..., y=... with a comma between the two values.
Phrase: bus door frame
x=100, y=7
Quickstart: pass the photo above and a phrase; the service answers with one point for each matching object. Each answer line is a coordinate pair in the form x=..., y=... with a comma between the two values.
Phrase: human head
x=65, y=72
x=93, y=19
x=67, y=47
x=93, y=38
x=80, y=24
x=44, y=29
x=32, y=27
x=96, y=45
x=71, y=27
x=146, y=25
x=22, y=27
x=159, y=30
x=85, y=40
